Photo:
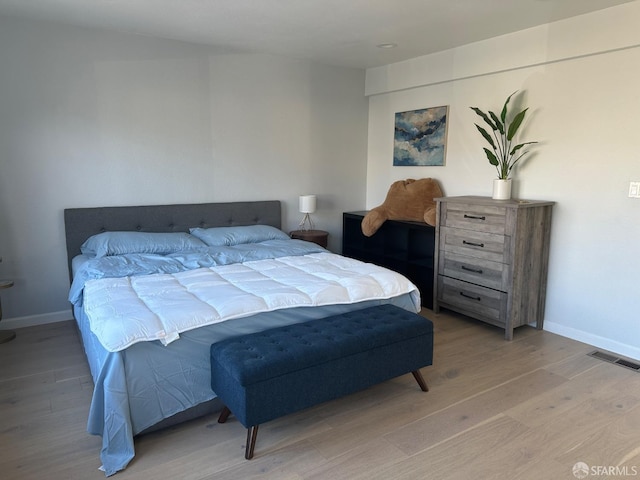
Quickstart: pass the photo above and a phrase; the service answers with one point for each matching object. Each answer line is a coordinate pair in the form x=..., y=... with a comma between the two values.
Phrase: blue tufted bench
x=265, y=375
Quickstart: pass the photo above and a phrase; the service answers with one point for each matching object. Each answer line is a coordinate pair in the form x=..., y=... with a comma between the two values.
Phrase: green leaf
x=486, y=135
x=518, y=147
x=498, y=123
x=485, y=118
x=503, y=114
x=492, y=158
x=515, y=124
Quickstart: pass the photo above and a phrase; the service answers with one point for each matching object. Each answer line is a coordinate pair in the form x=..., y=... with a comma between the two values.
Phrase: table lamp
x=307, y=205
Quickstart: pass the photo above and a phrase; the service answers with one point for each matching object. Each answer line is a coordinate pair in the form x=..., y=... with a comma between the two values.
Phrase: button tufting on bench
x=298, y=366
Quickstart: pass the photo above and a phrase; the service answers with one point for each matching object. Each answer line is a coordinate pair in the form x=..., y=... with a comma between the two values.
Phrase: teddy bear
x=406, y=200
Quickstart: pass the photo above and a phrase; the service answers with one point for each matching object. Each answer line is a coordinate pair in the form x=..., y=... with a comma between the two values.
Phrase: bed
x=147, y=344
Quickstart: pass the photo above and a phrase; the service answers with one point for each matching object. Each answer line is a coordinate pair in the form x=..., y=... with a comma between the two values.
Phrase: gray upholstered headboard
x=81, y=223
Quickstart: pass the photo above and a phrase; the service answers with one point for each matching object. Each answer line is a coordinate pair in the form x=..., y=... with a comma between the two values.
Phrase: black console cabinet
x=405, y=247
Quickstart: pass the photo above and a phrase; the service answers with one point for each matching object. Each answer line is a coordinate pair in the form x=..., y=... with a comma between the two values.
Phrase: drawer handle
x=474, y=270
x=475, y=217
x=470, y=297
x=481, y=245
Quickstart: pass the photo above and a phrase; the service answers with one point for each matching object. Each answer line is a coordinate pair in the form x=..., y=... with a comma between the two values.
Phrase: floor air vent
x=607, y=357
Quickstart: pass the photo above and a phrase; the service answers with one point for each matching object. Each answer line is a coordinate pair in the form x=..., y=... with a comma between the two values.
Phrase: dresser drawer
x=480, y=218
x=475, y=270
x=476, y=301
x=488, y=246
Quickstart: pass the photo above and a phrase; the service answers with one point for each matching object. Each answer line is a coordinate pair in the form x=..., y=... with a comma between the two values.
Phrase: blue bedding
x=148, y=382
x=147, y=263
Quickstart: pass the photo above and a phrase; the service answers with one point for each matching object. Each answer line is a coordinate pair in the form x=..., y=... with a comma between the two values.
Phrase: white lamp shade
x=307, y=203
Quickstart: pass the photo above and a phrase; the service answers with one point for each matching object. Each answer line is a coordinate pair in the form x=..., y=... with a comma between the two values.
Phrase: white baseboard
x=622, y=349
x=33, y=320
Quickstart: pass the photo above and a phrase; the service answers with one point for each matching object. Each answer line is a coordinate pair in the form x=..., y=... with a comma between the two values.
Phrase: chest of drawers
x=491, y=259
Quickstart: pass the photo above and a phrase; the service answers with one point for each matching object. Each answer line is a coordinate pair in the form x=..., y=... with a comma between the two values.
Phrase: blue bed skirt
x=139, y=387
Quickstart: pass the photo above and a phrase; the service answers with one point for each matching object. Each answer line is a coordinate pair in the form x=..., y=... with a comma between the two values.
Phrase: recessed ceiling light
x=387, y=45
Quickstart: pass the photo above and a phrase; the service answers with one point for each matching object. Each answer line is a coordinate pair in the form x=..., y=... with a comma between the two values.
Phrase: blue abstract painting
x=420, y=137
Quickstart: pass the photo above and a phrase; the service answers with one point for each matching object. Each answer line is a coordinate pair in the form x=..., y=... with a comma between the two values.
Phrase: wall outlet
x=634, y=189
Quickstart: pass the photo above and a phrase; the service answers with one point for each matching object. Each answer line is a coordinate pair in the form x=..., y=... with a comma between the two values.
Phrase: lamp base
x=303, y=224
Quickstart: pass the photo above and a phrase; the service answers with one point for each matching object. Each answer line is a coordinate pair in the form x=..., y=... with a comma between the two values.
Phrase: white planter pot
x=502, y=189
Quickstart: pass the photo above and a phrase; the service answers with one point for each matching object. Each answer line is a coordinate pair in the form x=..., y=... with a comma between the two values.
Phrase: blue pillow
x=120, y=243
x=227, y=236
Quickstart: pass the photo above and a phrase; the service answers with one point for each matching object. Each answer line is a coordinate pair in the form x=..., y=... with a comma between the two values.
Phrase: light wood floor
x=526, y=409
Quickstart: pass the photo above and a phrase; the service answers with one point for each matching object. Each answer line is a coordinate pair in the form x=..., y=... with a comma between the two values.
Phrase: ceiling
x=335, y=32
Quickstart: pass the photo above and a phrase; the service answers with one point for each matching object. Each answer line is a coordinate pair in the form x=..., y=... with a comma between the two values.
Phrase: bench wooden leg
x=419, y=378
x=224, y=414
x=252, y=433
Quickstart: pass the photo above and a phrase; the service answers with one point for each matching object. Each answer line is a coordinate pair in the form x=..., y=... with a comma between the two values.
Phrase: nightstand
x=6, y=335
x=316, y=236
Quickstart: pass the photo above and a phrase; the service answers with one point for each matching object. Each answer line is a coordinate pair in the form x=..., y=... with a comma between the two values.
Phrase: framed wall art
x=420, y=137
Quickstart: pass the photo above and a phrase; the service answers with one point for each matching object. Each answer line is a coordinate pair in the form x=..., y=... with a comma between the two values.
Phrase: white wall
x=581, y=79
x=90, y=118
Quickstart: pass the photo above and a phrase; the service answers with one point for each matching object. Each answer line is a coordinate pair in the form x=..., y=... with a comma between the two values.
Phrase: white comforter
x=127, y=310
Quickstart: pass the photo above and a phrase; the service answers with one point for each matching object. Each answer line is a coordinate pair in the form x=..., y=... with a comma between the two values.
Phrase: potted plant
x=504, y=152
